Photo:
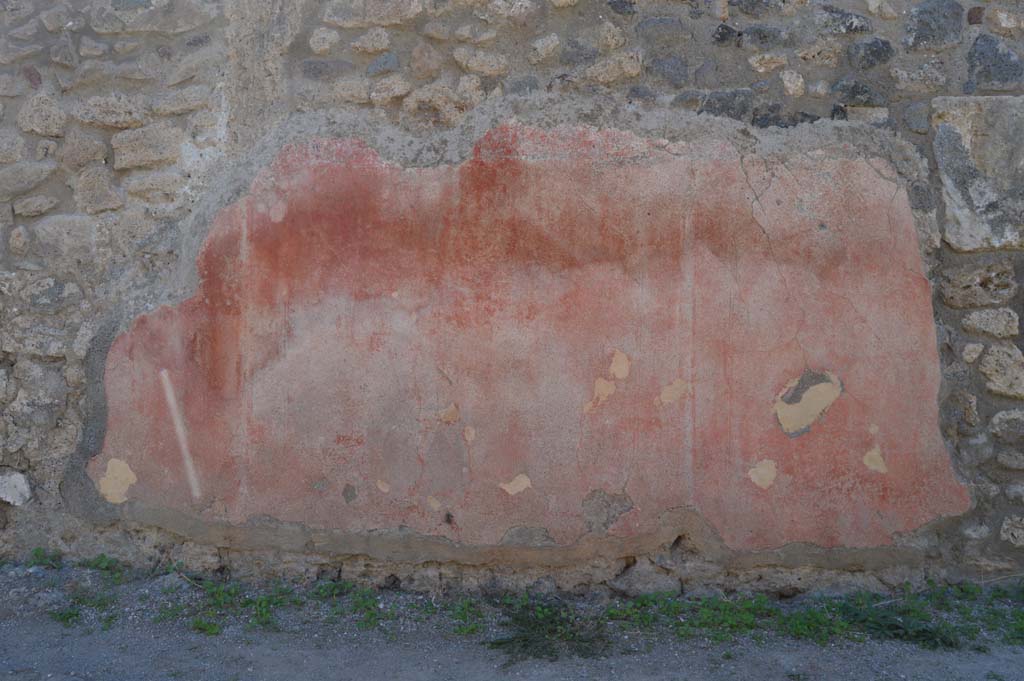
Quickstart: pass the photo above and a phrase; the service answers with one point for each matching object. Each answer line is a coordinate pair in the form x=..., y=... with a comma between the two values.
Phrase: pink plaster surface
x=375, y=347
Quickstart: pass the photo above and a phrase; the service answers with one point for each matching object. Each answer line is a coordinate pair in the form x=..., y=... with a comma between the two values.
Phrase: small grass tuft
x=366, y=606
x=110, y=567
x=547, y=629
x=40, y=557
x=332, y=590
x=205, y=625
x=66, y=616
x=468, y=617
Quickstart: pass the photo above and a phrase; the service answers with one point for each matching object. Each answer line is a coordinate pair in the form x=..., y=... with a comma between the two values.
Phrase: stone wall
x=129, y=128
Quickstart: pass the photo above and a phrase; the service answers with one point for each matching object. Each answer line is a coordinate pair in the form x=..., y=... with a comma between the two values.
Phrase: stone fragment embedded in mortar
x=568, y=335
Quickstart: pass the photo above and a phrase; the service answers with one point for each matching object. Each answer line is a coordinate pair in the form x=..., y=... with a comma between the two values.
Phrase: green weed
x=66, y=616
x=545, y=629
x=110, y=567
x=40, y=557
x=365, y=604
x=204, y=625
x=331, y=590
x=722, y=619
x=468, y=616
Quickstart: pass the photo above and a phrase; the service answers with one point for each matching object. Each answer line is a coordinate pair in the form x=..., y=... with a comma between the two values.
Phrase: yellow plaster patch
x=671, y=392
x=517, y=484
x=603, y=389
x=620, y=366
x=811, y=405
x=873, y=429
x=763, y=474
x=873, y=460
x=449, y=415
x=469, y=434
x=116, y=480
x=434, y=503
x=383, y=486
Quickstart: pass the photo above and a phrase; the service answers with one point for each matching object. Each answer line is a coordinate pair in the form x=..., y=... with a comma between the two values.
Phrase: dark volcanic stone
x=725, y=33
x=670, y=68
x=660, y=32
x=765, y=37
x=868, y=54
x=755, y=8
x=839, y=21
x=575, y=53
x=731, y=103
x=623, y=7
x=385, y=63
x=855, y=92
x=993, y=65
x=935, y=24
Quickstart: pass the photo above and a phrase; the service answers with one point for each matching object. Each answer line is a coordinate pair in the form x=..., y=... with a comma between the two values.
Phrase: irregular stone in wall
x=388, y=89
x=373, y=41
x=372, y=347
x=154, y=144
x=14, y=488
x=20, y=177
x=1001, y=323
x=991, y=284
x=42, y=115
x=927, y=77
x=129, y=16
x=1008, y=426
x=323, y=40
x=935, y=25
x=1012, y=530
x=31, y=206
x=155, y=187
x=838, y=21
x=868, y=54
x=79, y=149
x=1011, y=459
x=95, y=191
x=12, y=145
x=976, y=140
x=617, y=67
x=1003, y=366
x=67, y=242
x=993, y=65
x=116, y=110
x=365, y=13
x=481, y=62
x=181, y=101
x=425, y=62
x=13, y=52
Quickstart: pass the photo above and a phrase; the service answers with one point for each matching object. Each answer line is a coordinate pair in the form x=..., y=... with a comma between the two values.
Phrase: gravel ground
x=141, y=629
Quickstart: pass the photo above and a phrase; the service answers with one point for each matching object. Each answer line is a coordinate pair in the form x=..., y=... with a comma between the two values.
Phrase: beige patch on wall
x=763, y=474
x=449, y=415
x=804, y=400
x=517, y=484
x=383, y=486
x=873, y=460
x=620, y=366
x=603, y=389
x=469, y=434
x=116, y=481
x=672, y=392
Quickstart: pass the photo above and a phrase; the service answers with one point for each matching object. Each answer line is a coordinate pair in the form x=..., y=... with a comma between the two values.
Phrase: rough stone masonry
x=645, y=294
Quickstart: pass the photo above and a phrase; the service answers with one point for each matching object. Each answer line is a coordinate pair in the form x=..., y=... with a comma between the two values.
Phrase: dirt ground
x=143, y=628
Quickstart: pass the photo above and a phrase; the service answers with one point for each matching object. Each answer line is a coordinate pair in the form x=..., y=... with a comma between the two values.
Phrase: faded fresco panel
x=573, y=332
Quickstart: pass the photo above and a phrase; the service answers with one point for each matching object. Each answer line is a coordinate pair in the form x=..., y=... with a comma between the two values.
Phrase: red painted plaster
x=376, y=347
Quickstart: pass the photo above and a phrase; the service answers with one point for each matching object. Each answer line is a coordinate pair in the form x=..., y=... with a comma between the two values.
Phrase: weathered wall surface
x=471, y=292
